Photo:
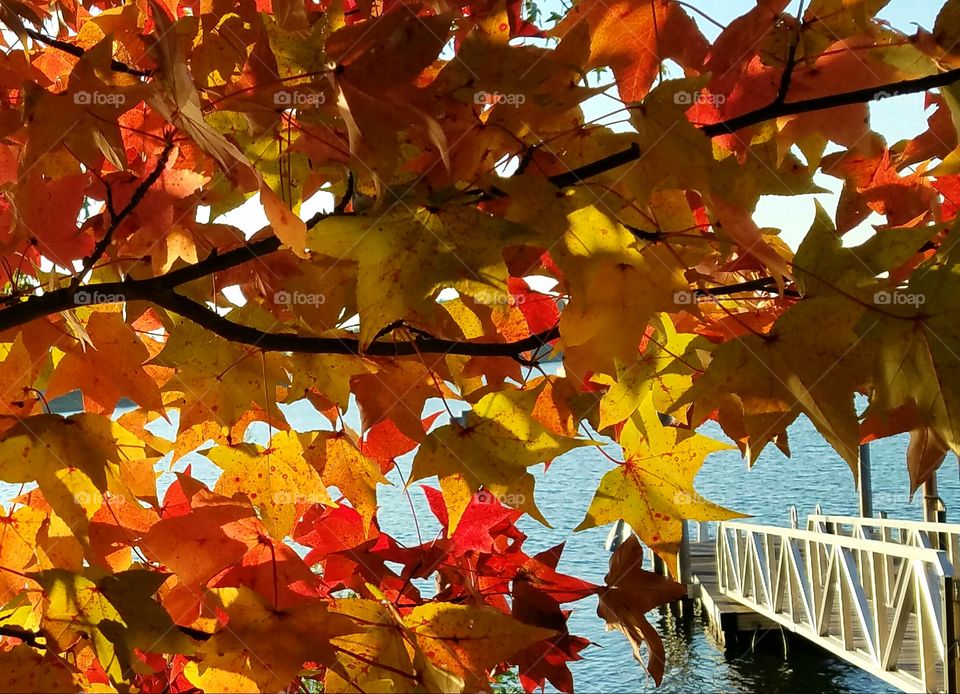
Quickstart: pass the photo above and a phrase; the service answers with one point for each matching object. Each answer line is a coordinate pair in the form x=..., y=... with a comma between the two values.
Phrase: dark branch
x=306, y=344
x=347, y=198
x=574, y=176
x=858, y=96
x=116, y=221
x=31, y=638
x=763, y=284
x=158, y=290
x=787, y=77
x=774, y=110
x=77, y=51
x=36, y=638
x=218, y=262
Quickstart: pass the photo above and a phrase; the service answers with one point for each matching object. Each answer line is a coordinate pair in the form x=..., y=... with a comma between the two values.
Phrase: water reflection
x=697, y=663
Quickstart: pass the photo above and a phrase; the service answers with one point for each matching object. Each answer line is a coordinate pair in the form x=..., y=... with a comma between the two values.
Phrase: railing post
x=951, y=616
x=718, y=552
x=930, y=498
x=683, y=559
x=864, y=482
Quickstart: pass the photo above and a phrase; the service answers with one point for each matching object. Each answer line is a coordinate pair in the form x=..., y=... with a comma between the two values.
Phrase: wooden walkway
x=730, y=621
x=878, y=595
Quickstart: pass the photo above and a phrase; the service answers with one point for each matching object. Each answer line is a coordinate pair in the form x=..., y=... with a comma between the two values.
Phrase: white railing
x=945, y=536
x=832, y=589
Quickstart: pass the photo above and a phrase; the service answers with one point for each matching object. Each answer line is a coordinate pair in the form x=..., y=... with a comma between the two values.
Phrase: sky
x=895, y=118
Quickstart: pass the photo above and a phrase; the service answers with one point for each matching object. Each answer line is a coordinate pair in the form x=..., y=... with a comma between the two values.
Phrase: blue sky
x=896, y=118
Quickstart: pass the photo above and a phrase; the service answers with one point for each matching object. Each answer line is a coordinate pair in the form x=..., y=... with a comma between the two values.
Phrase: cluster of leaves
x=124, y=126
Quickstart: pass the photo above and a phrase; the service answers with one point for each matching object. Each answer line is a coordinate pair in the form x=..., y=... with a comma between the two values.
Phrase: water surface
x=815, y=474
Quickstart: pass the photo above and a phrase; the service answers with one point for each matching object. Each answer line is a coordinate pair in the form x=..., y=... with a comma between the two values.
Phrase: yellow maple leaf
x=493, y=449
x=73, y=459
x=278, y=480
x=115, y=611
x=341, y=464
x=469, y=641
x=26, y=671
x=261, y=648
x=108, y=370
x=406, y=256
x=653, y=489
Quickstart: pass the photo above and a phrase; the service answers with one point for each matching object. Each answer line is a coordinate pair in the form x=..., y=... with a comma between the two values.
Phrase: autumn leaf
x=275, y=253
x=115, y=612
x=111, y=368
x=630, y=592
x=17, y=549
x=277, y=479
x=261, y=648
x=17, y=372
x=342, y=465
x=652, y=489
x=203, y=362
x=916, y=347
x=377, y=654
x=25, y=670
x=390, y=287
x=631, y=37
x=760, y=383
x=492, y=449
x=468, y=641
x=199, y=543
x=73, y=459
x=286, y=225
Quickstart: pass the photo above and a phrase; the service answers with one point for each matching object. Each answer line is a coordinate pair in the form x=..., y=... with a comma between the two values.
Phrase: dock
x=730, y=621
x=878, y=593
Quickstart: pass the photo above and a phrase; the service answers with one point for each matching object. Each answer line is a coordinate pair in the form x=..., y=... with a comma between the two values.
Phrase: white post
x=931, y=500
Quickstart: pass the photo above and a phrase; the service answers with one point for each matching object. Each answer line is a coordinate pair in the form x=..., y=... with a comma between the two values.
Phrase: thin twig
x=77, y=51
x=101, y=247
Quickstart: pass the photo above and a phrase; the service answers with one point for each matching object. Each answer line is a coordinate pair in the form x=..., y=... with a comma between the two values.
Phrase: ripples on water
x=815, y=474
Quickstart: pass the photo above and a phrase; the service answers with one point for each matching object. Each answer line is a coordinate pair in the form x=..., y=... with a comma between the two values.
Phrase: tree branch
x=116, y=221
x=769, y=112
x=306, y=344
x=763, y=284
x=820, y=103
x=573, y=176
x=78, y=52
x=159, y=290
x=31, y=638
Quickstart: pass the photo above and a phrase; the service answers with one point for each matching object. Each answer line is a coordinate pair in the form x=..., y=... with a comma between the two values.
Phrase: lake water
x=815, y=474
